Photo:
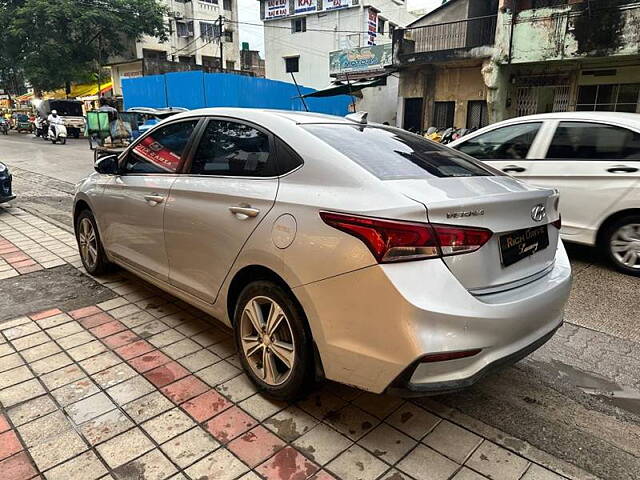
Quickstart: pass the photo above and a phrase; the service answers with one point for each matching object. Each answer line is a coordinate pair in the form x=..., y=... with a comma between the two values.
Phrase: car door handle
x=154, y=198
x=244, y=210
x=622, y=169
x=513, y=168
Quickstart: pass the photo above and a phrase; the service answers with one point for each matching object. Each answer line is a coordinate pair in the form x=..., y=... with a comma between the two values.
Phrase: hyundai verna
x=334, y=249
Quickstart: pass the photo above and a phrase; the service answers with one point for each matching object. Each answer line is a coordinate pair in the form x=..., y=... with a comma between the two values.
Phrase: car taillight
x=395, y=241
x=558, y=222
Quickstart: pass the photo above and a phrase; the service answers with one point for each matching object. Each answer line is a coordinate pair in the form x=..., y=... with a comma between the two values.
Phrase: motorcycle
x=42, y=127
x=57, y=133
x=4, y=127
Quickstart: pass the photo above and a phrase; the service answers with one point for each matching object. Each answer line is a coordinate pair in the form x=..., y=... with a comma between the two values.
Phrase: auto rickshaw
x=23, y=124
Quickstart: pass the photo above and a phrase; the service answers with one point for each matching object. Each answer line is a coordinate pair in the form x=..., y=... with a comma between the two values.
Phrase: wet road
x=577, y=398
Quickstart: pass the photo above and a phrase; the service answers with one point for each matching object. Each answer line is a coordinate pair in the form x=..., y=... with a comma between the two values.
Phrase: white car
x=334, y=248
x=592, y=158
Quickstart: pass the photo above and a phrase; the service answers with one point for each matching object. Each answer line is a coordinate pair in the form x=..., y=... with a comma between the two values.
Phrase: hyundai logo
x=538, y=213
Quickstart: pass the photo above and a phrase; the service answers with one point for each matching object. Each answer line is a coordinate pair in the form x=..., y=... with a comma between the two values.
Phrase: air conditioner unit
x=177, y=15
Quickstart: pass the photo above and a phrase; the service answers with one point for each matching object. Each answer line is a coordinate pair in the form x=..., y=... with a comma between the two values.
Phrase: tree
x=56, y=42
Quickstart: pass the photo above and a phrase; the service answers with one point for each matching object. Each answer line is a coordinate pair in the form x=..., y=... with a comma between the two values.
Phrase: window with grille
x=609, y=98
x=444, y=114
x=184, y=29
x=477, y=114
x=209, y=30
x=227, y=5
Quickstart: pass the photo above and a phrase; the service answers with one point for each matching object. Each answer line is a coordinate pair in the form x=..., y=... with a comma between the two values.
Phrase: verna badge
x=538, y=213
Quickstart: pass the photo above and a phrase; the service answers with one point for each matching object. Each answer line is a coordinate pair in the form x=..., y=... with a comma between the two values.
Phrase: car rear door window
x=512, y=142
x=391, y=153
x=160, y=151
x=593, y=141
x=233, y=149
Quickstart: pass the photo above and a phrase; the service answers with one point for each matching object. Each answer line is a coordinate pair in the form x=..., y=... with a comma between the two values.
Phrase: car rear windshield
x=392, y=154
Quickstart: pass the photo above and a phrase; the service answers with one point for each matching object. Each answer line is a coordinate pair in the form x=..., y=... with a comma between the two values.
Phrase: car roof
x=260, y=114
x=611, y=117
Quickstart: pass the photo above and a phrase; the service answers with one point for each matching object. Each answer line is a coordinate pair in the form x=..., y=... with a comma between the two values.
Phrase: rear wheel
x=92, y=253
x=63, y=140
x=273, y=340
x=621, y=244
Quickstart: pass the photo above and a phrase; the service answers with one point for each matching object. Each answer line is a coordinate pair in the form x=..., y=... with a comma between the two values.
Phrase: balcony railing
x=473, y=32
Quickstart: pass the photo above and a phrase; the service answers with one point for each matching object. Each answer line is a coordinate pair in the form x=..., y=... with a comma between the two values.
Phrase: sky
x=249, y=11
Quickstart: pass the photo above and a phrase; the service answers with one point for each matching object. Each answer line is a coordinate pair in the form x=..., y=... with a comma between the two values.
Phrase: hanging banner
x=360, y=60
x=276, y=9
x=372, y=26
x=336, y=4
x=305, y=6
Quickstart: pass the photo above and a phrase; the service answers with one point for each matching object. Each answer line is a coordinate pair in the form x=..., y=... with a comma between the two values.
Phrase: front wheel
x=621, y=244
x=63, y=140
x=274, y=341
x=92, y=253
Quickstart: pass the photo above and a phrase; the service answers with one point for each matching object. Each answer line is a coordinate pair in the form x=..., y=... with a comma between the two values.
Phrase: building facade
x=251, y=61
x=473, y=62
x=194, y=42
x=300, y=34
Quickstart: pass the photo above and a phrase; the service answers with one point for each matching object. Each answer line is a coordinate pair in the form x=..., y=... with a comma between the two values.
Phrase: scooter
x=60, y=134
x=4, y=126
x=42, y=127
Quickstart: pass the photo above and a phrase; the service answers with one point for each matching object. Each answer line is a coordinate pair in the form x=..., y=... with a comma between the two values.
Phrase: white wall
x=381, y=102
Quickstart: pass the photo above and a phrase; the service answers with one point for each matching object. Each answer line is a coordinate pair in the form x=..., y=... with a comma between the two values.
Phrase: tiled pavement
x=28, y=244
x=146, y=387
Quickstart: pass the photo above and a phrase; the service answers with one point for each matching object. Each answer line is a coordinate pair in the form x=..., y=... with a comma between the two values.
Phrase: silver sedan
x=334, y=248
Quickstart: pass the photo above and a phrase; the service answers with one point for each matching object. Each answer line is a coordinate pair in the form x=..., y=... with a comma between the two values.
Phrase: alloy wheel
x=88, y=243
x=267, y=340
x=625, y=245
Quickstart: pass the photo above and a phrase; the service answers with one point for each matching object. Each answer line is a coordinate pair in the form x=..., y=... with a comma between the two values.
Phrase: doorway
x=412, y=118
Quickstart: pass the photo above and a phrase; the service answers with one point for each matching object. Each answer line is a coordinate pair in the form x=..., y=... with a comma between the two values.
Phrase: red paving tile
x=205, y=406
x=166, y=374
x=185, y=389
x=149, y=360
x=4, y=424
x=6, y=250
x=17, y=467
x=229, y=424
x=95, y=320
x=107, y=329
x=255, y=446
x=85, y=312
x=33, y=268
x=120, y=339
x=16, y=257
x=45, y=314
x=23, y=263
x=134, y=349
x=9, y=444
x=287, y=464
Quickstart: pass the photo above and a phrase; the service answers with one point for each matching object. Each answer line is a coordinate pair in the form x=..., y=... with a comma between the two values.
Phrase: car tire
x=620, y=243
x=63, y=141
x=93, y=259
x=289, y=340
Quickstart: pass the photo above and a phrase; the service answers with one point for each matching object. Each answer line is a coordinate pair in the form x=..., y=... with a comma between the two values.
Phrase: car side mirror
x=107, y=165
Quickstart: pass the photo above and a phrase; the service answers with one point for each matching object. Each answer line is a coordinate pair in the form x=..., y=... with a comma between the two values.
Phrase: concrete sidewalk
x=143, y=386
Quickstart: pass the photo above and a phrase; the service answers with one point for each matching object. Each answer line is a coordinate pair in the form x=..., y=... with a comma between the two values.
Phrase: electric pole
x=220, y=33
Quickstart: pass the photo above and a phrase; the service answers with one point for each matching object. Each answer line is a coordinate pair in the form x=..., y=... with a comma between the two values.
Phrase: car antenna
x=358, y=117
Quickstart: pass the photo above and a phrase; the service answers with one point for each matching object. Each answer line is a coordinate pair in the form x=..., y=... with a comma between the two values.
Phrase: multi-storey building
x=194, y=42
x=473, y=62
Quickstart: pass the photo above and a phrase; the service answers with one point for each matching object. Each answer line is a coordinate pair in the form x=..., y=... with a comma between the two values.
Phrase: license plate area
x=521, y=244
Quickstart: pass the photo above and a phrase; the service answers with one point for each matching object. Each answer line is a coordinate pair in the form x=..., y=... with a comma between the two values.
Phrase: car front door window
x=160, y=152
x=512, y=142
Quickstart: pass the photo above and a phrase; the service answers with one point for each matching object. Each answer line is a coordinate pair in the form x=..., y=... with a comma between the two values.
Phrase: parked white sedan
x=592, y=158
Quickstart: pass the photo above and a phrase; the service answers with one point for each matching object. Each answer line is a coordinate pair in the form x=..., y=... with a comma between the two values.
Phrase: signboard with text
x=372, y=26
x=305, y=6
x=359, y=60
x=276, y=9
x=336, y=4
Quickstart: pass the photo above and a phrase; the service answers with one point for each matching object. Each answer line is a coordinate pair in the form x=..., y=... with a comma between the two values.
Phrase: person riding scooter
x=57, y=130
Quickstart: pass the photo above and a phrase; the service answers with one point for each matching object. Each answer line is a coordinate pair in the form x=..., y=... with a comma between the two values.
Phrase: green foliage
x=56, y=42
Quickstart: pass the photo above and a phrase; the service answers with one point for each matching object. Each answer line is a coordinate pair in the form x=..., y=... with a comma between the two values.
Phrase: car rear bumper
x=374, y=326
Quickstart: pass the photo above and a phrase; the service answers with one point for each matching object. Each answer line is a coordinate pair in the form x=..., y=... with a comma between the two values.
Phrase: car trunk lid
x=503, y=205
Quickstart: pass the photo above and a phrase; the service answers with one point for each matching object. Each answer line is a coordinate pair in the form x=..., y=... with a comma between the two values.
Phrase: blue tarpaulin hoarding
x=198, y=90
